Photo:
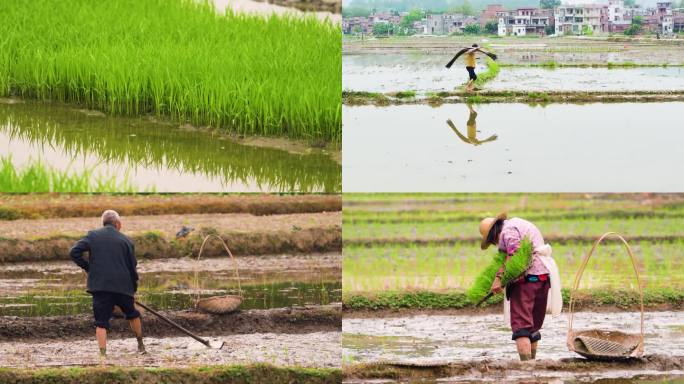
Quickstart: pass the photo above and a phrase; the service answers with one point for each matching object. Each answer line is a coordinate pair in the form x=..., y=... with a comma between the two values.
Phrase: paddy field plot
x=235, y=72
x=431, y=243
x=287, y=252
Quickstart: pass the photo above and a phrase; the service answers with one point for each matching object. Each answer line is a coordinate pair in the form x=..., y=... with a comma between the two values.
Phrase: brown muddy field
x=315, y=349
x=300, y=320
x=168, y=225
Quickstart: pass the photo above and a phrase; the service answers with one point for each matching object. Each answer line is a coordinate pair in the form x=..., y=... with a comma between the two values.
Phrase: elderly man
x=112, y=276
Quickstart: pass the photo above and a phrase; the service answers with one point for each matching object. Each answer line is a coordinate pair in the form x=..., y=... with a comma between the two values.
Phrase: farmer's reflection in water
x=472, y=129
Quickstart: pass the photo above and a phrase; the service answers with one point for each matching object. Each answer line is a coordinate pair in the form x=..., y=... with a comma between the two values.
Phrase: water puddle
x=467, y=338
x=159, y=156
x=427, y=73
x=58, y=288
x=512, y=147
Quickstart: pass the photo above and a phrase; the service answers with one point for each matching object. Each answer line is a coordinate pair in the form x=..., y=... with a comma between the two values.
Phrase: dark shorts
x=528, y=308
x=471, y=73
x=103, y=306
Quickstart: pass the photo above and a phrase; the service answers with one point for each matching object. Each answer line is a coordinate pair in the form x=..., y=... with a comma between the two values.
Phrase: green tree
x=357, y=30
x=549, y=4
x=472, y=29
x=383, y=29
x=406, y=24
x=635, y=28
x=549, y=30
x=630, y=3
x=492, y=27
x=465, y=9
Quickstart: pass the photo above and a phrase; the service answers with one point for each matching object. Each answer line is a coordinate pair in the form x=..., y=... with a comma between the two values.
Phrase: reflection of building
x=524, y=21
x=447, y=23
x=581, y=19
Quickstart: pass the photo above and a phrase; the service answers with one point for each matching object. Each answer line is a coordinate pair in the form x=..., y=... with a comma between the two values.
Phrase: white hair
x=110, y=217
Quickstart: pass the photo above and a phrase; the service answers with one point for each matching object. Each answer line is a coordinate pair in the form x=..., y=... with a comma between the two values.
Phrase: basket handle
x=578, y=277
x=199, y=255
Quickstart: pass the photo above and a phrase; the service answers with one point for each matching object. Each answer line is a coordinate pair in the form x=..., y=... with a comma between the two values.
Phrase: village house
x=524, y=21
x=580, y=19
x=491, y=13
x=448, y=23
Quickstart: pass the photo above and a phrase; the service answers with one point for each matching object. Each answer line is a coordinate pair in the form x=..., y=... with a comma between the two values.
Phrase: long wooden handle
x=174, y=324
x=578, y=277
x=490, y=294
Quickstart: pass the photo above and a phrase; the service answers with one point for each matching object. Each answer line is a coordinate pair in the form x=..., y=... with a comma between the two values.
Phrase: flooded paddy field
x=527, y=51
x=409, y=258
x=160, y=156
x=510, y=147
x=478, y=340
x=396, y=72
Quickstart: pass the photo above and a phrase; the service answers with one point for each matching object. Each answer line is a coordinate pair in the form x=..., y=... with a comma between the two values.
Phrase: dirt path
x=317, y=349
x=285, y=320
x=246, y=265
x=168, y=225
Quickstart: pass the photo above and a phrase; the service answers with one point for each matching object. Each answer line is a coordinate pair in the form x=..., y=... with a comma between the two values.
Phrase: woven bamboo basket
x=218, y=305
x=601, y=344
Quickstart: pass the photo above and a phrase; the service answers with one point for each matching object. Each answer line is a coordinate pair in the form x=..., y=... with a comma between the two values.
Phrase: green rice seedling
x=493, y=70
x=37, y=177
x=189, y=62
x=514, y=267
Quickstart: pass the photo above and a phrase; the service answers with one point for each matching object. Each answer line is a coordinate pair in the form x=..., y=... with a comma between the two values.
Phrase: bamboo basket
x=600, y=344
x=218, y=305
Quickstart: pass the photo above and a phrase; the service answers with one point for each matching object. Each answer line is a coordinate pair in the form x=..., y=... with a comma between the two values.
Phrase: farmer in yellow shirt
x=470, y=64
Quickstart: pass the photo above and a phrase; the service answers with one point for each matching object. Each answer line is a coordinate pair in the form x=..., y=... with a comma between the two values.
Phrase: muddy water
x=57, y=288
x=158, y=156
x=589, y=79
x=425, y=73
x=319, y=349
x=465, y=338
x=512, y=147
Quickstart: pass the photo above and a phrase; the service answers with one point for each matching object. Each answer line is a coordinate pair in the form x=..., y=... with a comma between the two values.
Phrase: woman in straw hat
x=528, y=298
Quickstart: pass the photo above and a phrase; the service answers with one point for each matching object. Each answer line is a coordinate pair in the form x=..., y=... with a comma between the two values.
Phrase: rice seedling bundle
x=248, y=74
x=515, y=267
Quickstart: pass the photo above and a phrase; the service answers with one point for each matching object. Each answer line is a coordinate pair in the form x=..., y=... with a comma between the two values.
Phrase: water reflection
x=471, y=124
x=169, y=158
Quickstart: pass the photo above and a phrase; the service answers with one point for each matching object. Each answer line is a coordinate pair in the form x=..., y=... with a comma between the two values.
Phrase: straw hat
x=486, y=225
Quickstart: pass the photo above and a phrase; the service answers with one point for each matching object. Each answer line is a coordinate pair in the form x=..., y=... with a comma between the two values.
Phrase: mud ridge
x=152, y=245
x=484, y=368
x=282, y=320
x=35, y=206
x=374, y=242
x=353, y=98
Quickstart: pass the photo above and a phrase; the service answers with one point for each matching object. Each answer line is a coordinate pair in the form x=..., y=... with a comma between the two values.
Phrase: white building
x=576, y=19
x=616, y=11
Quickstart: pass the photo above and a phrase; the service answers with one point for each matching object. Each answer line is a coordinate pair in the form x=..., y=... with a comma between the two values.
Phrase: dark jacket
x=111, y=263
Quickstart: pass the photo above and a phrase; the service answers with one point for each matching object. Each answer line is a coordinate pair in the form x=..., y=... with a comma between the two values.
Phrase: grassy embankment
x=237, y=72
x=418, y=251
x=260, y=373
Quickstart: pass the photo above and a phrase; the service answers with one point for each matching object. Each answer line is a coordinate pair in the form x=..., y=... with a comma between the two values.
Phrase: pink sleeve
x=510, y=241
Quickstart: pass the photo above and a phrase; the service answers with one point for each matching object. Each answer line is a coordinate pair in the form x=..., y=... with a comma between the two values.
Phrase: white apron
x=554, y=303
